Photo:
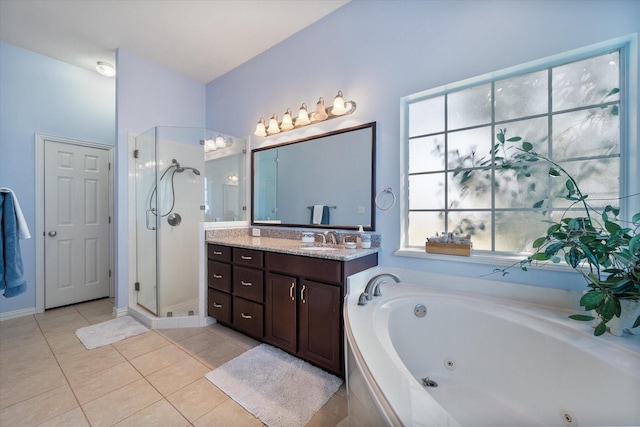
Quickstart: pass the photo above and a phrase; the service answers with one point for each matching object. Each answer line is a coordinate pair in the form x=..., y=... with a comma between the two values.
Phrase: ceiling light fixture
x=106, y=69
x=321, y=113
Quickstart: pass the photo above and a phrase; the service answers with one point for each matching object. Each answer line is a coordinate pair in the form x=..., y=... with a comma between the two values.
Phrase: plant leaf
x=636, y=323
x=613, y=91
x=527, y=146
x=592, y=299
x=636, y=218
x=600, y=329
x=538, y=204
x=615, y=110
x=553, y=172
x=514, y=139
x=500, y=137
x=581, y=317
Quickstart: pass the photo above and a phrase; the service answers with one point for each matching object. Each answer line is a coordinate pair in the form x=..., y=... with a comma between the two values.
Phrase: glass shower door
x=146, y=221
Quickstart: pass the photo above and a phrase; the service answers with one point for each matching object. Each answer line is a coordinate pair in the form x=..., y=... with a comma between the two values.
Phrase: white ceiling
x=202, y=39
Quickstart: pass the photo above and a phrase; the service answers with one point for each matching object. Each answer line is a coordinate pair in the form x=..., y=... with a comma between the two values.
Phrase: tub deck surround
x=286, y=242
x=497, y=362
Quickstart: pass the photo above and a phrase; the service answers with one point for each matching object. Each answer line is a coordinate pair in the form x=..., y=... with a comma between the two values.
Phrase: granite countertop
x=290, y=246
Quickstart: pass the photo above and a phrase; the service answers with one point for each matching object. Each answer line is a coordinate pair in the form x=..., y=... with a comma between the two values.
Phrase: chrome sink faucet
x=331, y=234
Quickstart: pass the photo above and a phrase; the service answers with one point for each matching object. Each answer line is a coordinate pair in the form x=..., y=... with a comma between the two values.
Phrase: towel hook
x=385, y=190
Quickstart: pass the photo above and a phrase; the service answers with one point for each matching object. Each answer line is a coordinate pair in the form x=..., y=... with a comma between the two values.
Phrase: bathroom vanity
x=282, y=294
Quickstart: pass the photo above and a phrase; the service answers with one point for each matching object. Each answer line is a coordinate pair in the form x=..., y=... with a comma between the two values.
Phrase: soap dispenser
x=359, y=236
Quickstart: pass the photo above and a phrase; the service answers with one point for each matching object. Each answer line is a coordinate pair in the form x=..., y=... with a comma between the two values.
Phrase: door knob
x=52, y=233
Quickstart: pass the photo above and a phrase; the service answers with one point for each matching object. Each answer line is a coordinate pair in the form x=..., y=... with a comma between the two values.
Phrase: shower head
x=195, y=171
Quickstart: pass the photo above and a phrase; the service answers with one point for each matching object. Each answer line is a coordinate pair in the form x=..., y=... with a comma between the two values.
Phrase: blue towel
x=11, y=269
x=325, y=215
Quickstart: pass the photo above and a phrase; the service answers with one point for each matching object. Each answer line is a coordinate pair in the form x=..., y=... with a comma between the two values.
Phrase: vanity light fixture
x=219, y=142
x=321, y=113
x=106, y=69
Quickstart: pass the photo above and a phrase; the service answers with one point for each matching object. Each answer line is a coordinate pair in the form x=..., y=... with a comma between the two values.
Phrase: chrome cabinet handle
x=293, y=284
x=217, y=252
x=302, y=293
x=246, y=283
x=246, y=257
x=53, y=233
x=217, y=276
x=216, y=305
x=246, y=316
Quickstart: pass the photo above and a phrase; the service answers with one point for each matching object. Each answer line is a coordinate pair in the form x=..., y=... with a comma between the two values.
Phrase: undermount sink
x=317, y=248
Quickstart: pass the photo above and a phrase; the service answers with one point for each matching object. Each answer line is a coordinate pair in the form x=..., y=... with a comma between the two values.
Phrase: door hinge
x=109, y=273
x=244, y=208
x=136, y=153
x=136, y=286
x=244, y=151
x=109, y=165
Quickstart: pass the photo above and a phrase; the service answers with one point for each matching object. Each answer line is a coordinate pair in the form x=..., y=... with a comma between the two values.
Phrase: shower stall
x=182, y=177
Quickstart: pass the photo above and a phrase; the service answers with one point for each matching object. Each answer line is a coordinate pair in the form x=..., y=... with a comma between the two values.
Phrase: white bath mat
x=279, y=389
x=111, y=331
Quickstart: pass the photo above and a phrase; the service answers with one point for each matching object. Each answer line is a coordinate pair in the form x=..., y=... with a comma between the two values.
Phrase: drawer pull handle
x=302, y=293
x=217, y=276
x=217, y=252
x=246, y=257
x=216, y=305
x=246, y=283
x=245, y=316
x=291, y=291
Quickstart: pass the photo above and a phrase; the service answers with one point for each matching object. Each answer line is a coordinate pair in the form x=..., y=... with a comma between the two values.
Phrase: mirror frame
x=371, y=227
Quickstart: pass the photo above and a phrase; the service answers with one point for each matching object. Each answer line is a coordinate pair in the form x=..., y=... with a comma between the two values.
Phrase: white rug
x=279, y=389
x=111, y=331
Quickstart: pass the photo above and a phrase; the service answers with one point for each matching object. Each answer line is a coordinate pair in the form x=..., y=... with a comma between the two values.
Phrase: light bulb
x=287, y=121
x=273, y=125
x=338, y=105
x=106, y=69
x=260, y=128
x=303, y=116
x=321, y=112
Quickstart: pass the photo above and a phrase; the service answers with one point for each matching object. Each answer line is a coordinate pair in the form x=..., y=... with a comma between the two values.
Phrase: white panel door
x=77, y=247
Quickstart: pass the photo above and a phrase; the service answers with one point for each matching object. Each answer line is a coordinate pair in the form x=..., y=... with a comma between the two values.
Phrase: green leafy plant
x=597, y=244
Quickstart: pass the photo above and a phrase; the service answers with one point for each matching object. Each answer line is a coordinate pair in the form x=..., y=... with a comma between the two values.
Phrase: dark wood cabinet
x=293, y=302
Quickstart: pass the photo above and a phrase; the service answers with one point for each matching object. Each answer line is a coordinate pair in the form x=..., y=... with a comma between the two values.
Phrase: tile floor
x=48, y=378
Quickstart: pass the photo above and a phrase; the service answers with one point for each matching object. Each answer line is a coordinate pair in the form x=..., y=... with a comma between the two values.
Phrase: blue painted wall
x=379, y=51
x=39, y=94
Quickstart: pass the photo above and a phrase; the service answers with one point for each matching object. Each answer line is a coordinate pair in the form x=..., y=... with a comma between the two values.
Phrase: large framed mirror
x=324, y=181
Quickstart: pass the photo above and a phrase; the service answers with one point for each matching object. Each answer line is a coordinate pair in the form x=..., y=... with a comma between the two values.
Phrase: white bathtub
x=497, y=363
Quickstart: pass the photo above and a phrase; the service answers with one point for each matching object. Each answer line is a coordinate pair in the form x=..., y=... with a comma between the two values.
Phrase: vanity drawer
x=248, y=257
x=248, y=283
x=219, y=276
x=219, y=253
x=219, y=306
x=326, y=270
x=247, y=317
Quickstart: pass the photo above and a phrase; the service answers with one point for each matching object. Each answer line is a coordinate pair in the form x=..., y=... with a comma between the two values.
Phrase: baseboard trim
x=119, y=312
x=17, y=313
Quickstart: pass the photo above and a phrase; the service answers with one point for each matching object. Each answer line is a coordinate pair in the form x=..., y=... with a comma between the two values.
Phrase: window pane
x=522, y=96
x=586, y=133
x=426, y=154
x=426, y=117
x=470, y=189
x=477, y=224
x=585, y=82
x=535, y=131
x=521, y=188
x=423, y=225
x=518, y=230
x=469, y=107
x=469, y=148
x=426, y=191
x=599, y=179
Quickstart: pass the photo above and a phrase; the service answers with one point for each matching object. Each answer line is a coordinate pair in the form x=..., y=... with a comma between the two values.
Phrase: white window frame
x=629, y=150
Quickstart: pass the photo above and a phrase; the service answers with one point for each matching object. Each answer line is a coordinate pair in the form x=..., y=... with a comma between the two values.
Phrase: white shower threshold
x=155, y=322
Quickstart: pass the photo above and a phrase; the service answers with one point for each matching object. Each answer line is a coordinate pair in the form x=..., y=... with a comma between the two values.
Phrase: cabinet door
x=319, y=326
x=219, y=276
x=280, y=319
x=219, y=306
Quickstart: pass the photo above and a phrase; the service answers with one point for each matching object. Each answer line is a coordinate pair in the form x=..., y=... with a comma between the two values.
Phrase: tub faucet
x=373, y=287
